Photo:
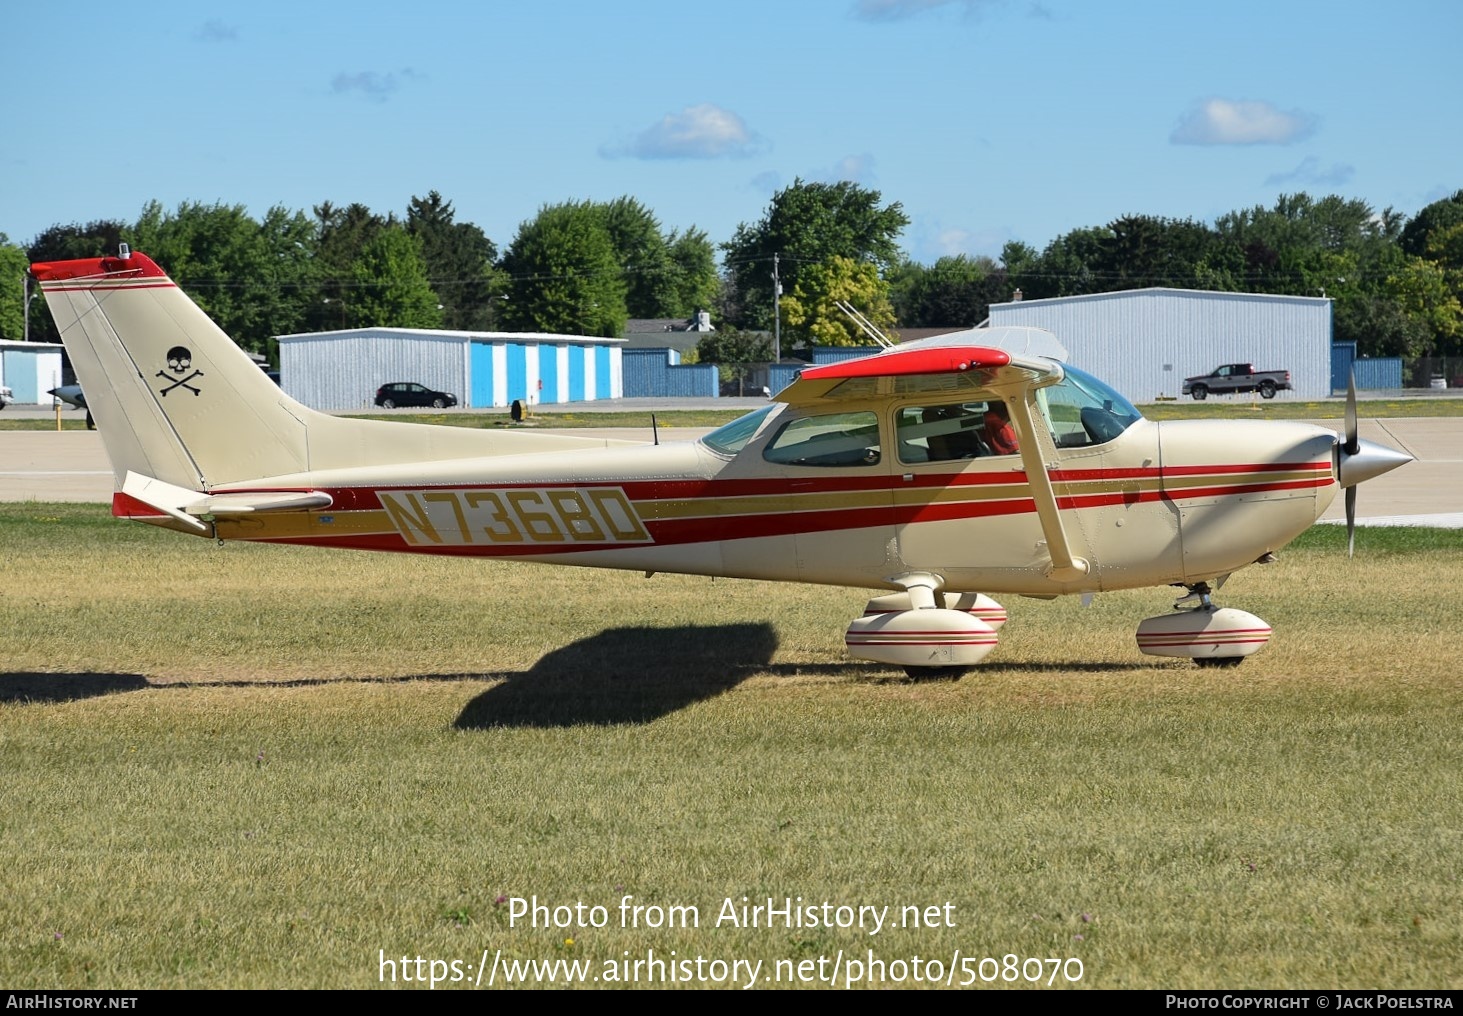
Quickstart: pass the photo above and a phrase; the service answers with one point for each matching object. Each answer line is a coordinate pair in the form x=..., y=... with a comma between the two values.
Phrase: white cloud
x=704, y=131
x=769, y=182
x=853, y=168
x=1241, y=122
x=215, y=30
x=1311, y=172
x=933, y=240
x=374, y=85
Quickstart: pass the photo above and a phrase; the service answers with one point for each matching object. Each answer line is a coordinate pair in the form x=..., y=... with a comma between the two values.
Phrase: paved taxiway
x=72, y=466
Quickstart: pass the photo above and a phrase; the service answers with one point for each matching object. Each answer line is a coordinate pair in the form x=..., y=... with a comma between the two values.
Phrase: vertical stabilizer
x=173, y=396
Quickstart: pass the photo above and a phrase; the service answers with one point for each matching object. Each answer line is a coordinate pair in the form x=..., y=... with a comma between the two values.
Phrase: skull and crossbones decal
x=180, y=358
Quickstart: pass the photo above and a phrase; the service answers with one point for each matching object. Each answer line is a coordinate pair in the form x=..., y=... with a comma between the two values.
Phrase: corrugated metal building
x=1144, y=342
x=30, y=369
x=659, y=373
x=343, y=369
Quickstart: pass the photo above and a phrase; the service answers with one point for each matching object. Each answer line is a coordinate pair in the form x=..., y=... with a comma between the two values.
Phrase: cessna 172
x=936, y=472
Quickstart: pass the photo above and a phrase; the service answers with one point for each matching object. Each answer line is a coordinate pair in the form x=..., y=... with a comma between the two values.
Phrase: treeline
x=581, y=268
x=586, y=267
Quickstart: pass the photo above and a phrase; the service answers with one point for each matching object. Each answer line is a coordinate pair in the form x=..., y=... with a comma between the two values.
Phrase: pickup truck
x=1237, y=377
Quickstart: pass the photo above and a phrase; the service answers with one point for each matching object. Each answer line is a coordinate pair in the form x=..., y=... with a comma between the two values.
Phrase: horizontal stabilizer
x=240, y=504
x=189, y=506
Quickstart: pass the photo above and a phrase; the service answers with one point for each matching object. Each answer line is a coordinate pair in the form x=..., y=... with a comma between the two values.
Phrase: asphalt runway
x=37, y=465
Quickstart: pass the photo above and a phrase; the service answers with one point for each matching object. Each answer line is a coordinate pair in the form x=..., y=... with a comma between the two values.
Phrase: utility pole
x=776, y=312
x=25, y=299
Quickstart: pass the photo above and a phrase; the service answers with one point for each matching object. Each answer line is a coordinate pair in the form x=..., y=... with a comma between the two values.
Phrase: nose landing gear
x=1198, y=630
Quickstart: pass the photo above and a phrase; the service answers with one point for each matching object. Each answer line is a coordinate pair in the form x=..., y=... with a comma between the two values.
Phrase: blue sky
x=989, y=120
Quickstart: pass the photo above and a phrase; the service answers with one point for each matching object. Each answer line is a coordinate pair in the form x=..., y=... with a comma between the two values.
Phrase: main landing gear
x=929, y=633
x=1210, y=636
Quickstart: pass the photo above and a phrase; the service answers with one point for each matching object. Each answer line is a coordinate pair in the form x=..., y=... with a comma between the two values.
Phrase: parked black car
x=409, y=393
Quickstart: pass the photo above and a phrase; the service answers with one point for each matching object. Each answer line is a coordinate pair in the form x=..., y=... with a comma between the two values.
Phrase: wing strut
x=1065, y=567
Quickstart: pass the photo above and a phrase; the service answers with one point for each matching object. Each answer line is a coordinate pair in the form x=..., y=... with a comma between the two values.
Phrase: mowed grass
x=255, y=766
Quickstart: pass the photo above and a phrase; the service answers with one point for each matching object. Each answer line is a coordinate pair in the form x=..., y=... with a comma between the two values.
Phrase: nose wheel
x=1198, y=630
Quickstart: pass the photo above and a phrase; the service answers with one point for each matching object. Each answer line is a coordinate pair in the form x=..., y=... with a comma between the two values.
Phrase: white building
x=343, y=369
x=1144, y=342
x=30, y=369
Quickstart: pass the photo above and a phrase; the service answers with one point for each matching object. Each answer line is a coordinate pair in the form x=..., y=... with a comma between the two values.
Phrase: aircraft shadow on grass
x=624, y=675
x=32, y=687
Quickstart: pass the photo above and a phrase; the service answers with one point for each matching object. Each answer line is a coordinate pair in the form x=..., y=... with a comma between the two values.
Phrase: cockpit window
x=947, y=433
x=837, y=439
x=733, y=437
x=1082, y=411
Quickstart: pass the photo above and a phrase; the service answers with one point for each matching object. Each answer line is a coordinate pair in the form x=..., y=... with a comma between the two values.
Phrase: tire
x=935, y=673
x=1199, y=392
x=1267, y=389
x=90, y=423
x=388, y=404
x=439, y=404
x=1218, y=661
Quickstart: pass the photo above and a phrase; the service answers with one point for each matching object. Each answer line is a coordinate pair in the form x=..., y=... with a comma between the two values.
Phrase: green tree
x=644, y=258
x=221, y=257
x=460, y=262
x=1438, y=216
x=733, y=351
x=13, y=266
x=812, y=314
x=1426, y=295
x=65, y=243
x=391, y=288
x=1143, y=250
x=693, y=260
x=955, y=290
x=807, y=224
x=564, y=276
x=341, y=235
x=1068, y=266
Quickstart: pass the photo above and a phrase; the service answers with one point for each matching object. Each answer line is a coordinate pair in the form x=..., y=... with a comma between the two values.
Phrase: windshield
x=732, y=437
x=1082, y=410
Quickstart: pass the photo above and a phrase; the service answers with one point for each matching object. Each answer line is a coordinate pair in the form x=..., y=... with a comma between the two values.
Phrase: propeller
x=1358, y=460
x=1351, y=447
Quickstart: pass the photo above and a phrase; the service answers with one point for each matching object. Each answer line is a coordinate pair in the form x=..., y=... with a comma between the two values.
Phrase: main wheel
x=935, y=673
x=1199, y=392
x=1267, y=389
x=1218, y=661
x=388, y=404
x=439, y=404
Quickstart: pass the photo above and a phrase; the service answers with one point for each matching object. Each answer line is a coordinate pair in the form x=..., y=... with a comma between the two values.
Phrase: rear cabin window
x=951, y=433
x=838, y=439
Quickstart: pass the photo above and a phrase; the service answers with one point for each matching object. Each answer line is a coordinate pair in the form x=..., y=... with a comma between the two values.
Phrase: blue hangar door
x=576, y=373
x=548, y=373
x=481, y=389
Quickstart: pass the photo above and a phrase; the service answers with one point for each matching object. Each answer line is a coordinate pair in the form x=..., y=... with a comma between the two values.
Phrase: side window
x=838, y=439
x=951, y=433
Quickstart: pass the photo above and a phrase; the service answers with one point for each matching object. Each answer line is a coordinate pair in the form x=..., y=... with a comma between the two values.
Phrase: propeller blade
x=1353, y=442
x=1350, y=521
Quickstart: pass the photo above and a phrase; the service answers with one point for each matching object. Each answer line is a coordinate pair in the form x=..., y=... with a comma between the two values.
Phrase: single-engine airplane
x=935, y=472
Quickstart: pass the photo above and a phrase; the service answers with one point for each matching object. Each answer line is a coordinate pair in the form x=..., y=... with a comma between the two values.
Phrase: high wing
x=926, y=371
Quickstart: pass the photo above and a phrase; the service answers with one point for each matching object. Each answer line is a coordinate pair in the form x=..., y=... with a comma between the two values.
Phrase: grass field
x=255, y=766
